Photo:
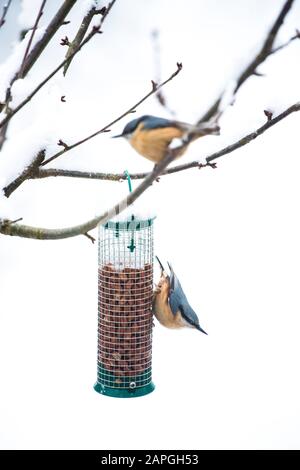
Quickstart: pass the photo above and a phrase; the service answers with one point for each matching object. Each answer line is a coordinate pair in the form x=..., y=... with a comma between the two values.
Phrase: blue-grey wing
x=153, y=122
x=178, y=301
x=174, y=301
x=189, y=314
x=176, y=296
x=191, y=317
x=175, y=285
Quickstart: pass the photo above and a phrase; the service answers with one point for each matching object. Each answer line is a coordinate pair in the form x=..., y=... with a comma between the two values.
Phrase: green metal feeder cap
x=133, y=224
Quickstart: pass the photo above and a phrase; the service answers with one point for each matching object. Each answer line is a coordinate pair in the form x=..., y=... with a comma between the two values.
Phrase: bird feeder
x=125, y=287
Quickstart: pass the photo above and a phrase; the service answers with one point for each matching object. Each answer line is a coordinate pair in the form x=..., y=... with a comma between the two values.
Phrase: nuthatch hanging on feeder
x=170, y=305
x=151, y=136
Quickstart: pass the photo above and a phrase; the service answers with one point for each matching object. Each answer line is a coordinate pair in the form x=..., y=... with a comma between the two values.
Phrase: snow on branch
x=35, y=168
x=81, y=33
x=39, y=15
x=251, y=69
x=45, y=173
x=31, y=171
x=95, y=30
x=8, y=227
x=132, y=109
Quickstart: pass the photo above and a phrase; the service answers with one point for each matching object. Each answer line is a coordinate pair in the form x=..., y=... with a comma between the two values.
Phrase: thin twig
x=51, y=29
x=287, y=43
x=90, y=237
x=265, y=51
x=31, y=174
x=10, y=222
x=40, y=12
x=95, y=31
x=45, y=173
x=4, y=13
x=106, y=128
x=79, y=35
x=32, y=57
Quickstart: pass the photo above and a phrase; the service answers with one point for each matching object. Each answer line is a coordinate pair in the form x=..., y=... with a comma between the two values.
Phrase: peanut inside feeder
x=125, y=286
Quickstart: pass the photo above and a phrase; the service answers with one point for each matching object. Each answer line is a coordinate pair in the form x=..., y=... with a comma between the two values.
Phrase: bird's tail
x=200, y=329
x=191, y=317
x=202, y=129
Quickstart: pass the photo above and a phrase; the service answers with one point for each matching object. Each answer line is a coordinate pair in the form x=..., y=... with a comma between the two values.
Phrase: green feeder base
x=124, y=393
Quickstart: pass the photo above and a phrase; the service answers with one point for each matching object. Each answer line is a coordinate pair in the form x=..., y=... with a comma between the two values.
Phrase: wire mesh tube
x=125, y=286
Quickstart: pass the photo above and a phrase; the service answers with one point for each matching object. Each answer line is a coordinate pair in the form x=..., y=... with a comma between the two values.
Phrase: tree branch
x=27, y=173
x=106, y=128
x=40, y=12
x=25, y=231
x=4, y=13
x=45, y=173
x=30, y=60
x=95, y=30
x=263, y=54
x=80, y=35
x=34, y=170
x=49, y=33
x=287, y=43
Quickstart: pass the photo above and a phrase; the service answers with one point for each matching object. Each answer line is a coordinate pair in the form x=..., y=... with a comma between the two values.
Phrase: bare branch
x=265, y=51
x=47, y=172
x=25, y=231
x=29, y=173
x=10, y=222
x=32, y=57
x=287, y=43
x=3, y=132
x=40, y=12
x=105, y=128
x=4, y=13
x=80, y=35
x=95, y=30
x=90, y=237
x=39, y=233
x=44, y=173
x=48, y=35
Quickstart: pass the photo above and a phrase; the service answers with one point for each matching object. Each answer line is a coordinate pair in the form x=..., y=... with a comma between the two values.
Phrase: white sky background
x=232, y=235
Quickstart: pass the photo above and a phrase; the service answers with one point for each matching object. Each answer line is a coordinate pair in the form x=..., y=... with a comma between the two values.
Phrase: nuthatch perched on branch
x=151, y=136
x=170, y=305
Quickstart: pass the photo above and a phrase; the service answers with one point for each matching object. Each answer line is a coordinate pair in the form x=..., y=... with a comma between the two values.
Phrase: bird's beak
x=116, y=136
x=160, y=264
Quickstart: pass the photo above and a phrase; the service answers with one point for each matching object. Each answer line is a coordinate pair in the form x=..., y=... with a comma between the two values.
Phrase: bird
x=170, y=305
x=151, y=136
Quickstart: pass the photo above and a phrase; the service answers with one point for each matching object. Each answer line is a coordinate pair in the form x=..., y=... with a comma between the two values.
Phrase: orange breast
x=161, y=307
x=153, y=143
